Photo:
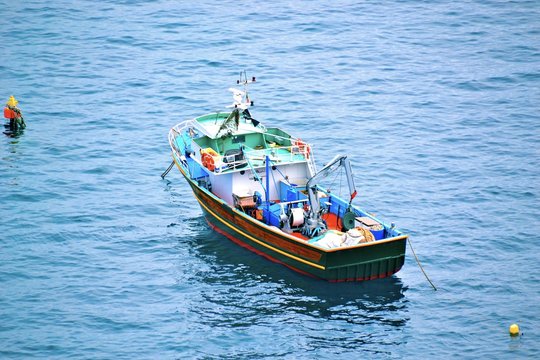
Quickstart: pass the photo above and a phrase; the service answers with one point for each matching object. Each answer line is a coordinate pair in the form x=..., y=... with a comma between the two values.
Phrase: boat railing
x=178, y=131
x=179, y=128
x=257, y=158
x=276, y=153
x=173, y=133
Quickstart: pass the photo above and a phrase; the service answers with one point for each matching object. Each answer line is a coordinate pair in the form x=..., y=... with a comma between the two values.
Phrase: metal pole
x=167, y=171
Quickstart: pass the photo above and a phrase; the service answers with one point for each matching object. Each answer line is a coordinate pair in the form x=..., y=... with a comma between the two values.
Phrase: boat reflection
x=247, y=289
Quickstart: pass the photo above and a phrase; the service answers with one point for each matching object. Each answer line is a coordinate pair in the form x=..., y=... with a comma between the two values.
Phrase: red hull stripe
x=251, y=248
x=258, y=241
x=373, y=277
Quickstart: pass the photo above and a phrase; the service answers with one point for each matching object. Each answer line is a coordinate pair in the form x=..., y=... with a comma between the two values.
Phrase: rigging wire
x=333, y=181
x=256, y=176
x=340, y=180
x=284, y=177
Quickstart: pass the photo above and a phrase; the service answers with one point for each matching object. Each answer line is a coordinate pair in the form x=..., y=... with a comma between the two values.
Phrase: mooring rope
x=420, y=265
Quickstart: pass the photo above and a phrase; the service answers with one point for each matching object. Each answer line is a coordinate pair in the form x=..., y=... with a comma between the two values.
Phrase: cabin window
x=239, y=139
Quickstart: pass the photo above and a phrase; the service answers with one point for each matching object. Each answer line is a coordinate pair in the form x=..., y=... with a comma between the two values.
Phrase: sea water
x=436, y=103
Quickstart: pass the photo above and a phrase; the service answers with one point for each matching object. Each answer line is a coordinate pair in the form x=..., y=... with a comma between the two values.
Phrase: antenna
x=245, y=81
x=241, y=98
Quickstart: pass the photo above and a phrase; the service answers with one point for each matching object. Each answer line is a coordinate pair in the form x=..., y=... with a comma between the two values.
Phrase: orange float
x=9, y=114
x=303, y=147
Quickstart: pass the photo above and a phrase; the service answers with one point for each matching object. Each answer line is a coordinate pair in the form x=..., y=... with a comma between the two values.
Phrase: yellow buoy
x=514, y=330
x=12, y=101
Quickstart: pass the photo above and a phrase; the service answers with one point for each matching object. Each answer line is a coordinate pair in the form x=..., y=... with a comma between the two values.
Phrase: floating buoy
x=14, y=114
x=12, y=101
x=514, y=330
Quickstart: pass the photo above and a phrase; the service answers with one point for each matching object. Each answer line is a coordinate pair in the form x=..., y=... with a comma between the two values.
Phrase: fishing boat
x=259, y=186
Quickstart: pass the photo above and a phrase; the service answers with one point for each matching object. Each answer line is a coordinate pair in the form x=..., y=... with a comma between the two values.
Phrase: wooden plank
x=367, y=221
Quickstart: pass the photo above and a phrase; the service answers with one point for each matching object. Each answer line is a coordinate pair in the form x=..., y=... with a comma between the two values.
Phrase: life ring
x=210, y=164
x=303, y=147
x=204, y=160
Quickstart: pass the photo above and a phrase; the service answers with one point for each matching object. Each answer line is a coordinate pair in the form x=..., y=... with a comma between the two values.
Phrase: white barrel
x=297, y=217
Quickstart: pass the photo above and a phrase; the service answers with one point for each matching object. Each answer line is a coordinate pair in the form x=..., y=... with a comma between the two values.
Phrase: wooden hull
x=362, y=262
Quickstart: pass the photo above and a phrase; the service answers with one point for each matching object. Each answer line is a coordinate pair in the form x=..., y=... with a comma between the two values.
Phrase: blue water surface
x=437, y=104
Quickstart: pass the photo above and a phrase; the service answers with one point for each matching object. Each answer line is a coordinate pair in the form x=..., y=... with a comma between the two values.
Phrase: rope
x=420, y=265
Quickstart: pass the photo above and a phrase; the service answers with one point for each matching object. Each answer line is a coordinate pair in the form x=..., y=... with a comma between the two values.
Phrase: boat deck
x=210, y=125
x=247, y=146
x=277, y=155
x=333, y=222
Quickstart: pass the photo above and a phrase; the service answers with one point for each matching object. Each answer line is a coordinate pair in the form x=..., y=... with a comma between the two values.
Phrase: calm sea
x=437, y=103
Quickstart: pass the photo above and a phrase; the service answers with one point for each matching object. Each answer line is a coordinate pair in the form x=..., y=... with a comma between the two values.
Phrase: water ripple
x=437, y=105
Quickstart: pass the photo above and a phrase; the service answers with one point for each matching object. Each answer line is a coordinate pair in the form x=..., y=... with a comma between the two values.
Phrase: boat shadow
x=230, y=266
